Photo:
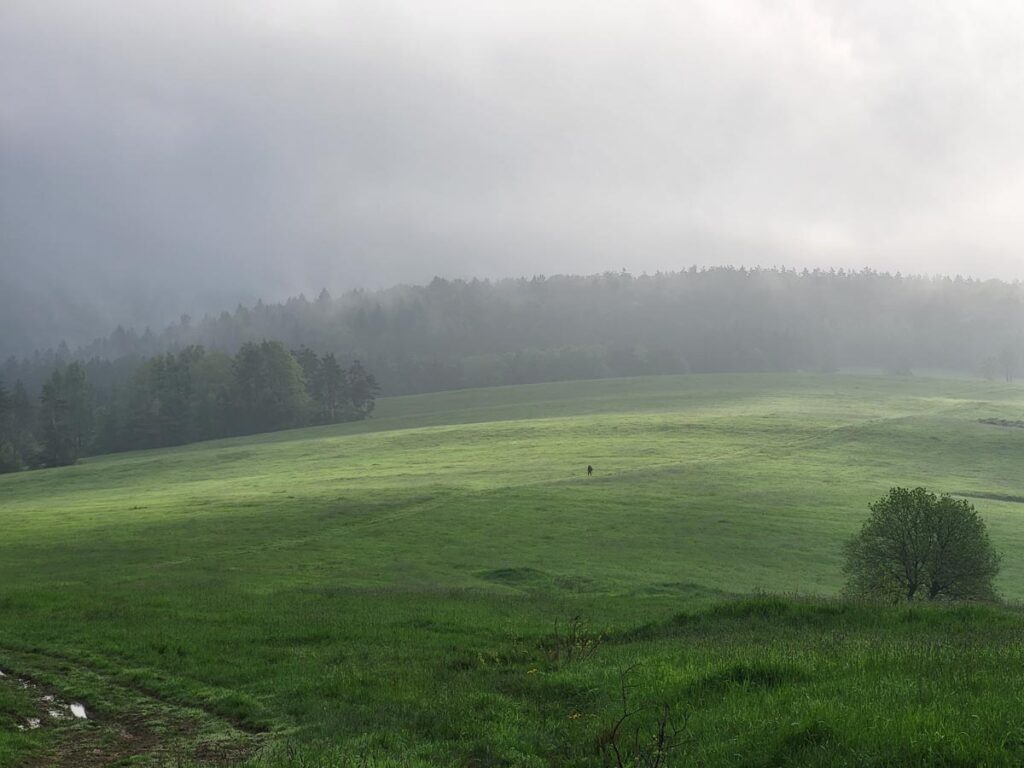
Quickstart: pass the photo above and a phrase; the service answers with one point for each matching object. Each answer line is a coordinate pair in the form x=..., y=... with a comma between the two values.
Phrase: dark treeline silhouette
x=452, y=334
x=175, y=398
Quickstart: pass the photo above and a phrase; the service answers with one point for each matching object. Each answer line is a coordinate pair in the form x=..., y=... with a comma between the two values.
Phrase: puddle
x=55, y=708
x=87, y=737
x=31, y=724
x=77, y=711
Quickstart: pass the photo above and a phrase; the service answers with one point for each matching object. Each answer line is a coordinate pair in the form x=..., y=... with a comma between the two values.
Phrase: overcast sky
x=172, y=155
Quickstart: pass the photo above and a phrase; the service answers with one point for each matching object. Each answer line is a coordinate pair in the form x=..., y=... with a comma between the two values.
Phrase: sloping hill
x=388, y=586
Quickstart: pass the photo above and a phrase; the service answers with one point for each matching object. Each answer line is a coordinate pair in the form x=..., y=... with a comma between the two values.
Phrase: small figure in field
x=590, y=470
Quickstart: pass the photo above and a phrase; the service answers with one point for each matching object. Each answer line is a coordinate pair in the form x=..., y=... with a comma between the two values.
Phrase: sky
x=159, y=157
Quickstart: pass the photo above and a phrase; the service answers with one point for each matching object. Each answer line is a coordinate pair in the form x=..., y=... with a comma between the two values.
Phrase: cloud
x=162, y=157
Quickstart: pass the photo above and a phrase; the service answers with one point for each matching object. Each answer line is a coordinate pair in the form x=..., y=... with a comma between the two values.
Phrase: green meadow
x=402, y=591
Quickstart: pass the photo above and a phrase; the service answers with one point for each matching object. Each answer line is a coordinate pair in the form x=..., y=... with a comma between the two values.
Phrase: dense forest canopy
x=451, y=334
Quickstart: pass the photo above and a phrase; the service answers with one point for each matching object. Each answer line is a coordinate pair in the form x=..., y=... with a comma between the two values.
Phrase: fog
x=157, y=158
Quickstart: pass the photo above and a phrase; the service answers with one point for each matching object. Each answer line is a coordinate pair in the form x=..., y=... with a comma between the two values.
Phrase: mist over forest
x=452, y=333
x=160, y=159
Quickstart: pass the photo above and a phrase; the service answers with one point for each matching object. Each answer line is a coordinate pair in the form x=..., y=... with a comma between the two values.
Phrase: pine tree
x=9, y=461
x=80, y=408
x=332, y=390
x=58, y=443
x=362, y=389
x=65, y=416
x=23, y=424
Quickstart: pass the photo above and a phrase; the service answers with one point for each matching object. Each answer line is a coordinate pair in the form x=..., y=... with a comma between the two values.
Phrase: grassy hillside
x=390, y=589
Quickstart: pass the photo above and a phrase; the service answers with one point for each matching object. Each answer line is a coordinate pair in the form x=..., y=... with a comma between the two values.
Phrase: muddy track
x=107, y=722
x=105, y=672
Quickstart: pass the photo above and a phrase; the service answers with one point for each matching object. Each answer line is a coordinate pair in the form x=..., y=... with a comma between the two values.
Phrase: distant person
x=590, y=470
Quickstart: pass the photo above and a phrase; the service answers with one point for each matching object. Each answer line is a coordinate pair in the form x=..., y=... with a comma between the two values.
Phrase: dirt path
x=107, y=723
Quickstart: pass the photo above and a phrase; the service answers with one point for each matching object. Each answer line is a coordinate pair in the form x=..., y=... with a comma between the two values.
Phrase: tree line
x=456, y=333
x=176, y=398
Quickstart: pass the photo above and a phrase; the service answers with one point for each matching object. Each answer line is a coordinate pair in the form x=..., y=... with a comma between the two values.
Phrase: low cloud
x=164, y=157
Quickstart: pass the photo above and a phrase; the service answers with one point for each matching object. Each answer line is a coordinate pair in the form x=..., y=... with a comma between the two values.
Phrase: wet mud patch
x=46, y=707
x=105, y=723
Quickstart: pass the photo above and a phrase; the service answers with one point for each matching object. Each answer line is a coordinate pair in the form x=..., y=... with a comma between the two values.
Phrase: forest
x=176, y=398
x=219, y=375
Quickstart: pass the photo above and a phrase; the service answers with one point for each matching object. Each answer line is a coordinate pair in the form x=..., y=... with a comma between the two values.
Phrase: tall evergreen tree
x=65, y=416
x=332, y=390
x=5, y=406
x=109, y=426
x=362, y=389
x=58, y=440
x=80, y=408
x=9, y=461
x=23, y=424
x=211, y=392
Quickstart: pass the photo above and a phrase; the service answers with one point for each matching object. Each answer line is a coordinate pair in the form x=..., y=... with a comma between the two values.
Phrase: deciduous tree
x=919, y=546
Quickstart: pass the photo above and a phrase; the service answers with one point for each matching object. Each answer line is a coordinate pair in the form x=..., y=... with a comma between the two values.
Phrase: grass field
x=387, y=592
